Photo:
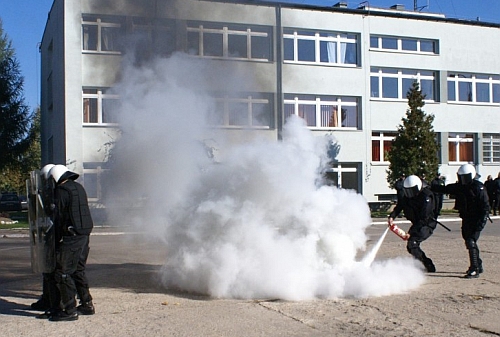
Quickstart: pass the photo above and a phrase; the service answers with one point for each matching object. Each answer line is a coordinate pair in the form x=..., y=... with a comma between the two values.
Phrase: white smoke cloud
x=254, y=226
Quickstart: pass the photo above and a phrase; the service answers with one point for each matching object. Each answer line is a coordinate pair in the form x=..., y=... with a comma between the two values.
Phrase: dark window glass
x=237, y=46
x=288, y=49
x=212, y=44
x=261, y=47
x=389, y=87
x=389, y=43
x=306, y=50
x=409, y=44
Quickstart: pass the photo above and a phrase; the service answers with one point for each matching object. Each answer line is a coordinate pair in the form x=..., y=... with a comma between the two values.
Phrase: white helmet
x=411, y=186
x=44, y=172
x=466, y=173
x=60, y=173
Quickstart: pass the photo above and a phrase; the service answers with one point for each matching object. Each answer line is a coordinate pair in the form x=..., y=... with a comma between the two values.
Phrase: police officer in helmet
x=419, y=207
x=73, y=224
x=50, y=294
x=471, y=201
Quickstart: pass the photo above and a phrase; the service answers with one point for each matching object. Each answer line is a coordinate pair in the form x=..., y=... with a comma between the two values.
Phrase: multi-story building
x=310, y=61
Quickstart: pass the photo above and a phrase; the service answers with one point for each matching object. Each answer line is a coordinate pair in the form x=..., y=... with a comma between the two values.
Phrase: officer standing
x=471, y=201
x=489, y=184
x=496, y=188
x=73, y=224
x=419, y=207
x=50, y=295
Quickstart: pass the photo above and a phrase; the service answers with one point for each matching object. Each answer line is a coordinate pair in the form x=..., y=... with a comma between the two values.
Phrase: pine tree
x=415, y=149
x=14, y=113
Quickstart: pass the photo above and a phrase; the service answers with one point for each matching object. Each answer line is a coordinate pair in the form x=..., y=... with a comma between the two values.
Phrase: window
x=99, y=107
x=93, y=175
x=229, y=41
x=473, y=88
x=491, y=148
x=461, y=147
x=243, y=110
x=152, y=36
x=302, y=46
x=390, y=83
x=101, y=35
x=403, y=44
x=343, y=175
x=323, y=111
x=381, y=144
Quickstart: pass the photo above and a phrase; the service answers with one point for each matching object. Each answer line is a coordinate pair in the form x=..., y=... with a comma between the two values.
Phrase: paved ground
x=129, y=302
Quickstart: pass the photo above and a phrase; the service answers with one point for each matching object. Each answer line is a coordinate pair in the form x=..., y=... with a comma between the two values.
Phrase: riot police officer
x=419, y=207
x=50, y=297
x=73, y=224
x=471, y=201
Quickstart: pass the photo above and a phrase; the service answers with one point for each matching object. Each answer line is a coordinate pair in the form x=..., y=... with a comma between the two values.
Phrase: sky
x=24, y=22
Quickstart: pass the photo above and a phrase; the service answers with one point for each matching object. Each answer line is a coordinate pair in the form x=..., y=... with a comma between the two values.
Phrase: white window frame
x=100, y=96
x=472, y=79
x=491, y=146
x=250, y=101
x=98, y=171
x=400, y=45
x=380, y=75
x=381, y=138
x=337, y=168
x=335, y=37
x=317, y=102
x=225, y=32
x=100, y=24
x=458, y=139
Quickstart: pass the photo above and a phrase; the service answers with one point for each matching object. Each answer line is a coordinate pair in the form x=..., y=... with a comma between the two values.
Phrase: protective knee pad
x=470, y=244
x=412, y=246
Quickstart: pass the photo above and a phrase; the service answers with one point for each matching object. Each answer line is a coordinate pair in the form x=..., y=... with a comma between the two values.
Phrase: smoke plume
x=252, y=224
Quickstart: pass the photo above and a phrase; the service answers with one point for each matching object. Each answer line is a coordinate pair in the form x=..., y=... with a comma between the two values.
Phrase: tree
x=19, y=129
x=15, y=116
x=415, y=149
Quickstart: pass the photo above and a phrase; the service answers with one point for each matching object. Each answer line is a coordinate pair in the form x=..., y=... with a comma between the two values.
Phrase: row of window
x=460, y=147
x=342, y=175
x=403, y=44
x=244, y=110
x=346, y=175
x=251, y=42
x=319, y=112
x=475, y=88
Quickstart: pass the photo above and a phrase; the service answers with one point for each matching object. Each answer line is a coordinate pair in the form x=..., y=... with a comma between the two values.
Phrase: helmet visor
x=465, y=179
x=410, y=192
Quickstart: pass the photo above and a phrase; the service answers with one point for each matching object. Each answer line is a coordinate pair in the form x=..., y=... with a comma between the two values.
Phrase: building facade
x=346, y=71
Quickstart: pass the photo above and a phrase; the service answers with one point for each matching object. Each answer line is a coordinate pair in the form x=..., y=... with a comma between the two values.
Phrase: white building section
x=345, y=71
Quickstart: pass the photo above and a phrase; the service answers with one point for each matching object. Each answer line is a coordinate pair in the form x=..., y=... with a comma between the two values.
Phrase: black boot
x=86, y=308
x=64, y=315
x=429, y=266
x=475, y=266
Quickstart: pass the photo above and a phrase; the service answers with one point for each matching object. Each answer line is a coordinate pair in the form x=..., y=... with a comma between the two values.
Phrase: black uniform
x=439, y=204
x=73, y=224
x=471, y=201
x=489, y=184
x=496, y=189
x=420, y=210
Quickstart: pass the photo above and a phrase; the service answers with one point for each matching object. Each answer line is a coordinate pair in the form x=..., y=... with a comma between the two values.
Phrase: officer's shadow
x=9, y=305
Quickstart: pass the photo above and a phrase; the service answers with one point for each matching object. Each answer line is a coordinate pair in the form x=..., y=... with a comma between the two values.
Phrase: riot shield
x=42, y=232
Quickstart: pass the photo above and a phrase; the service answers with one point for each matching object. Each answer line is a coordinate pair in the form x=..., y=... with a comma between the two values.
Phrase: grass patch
x=20, y=217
